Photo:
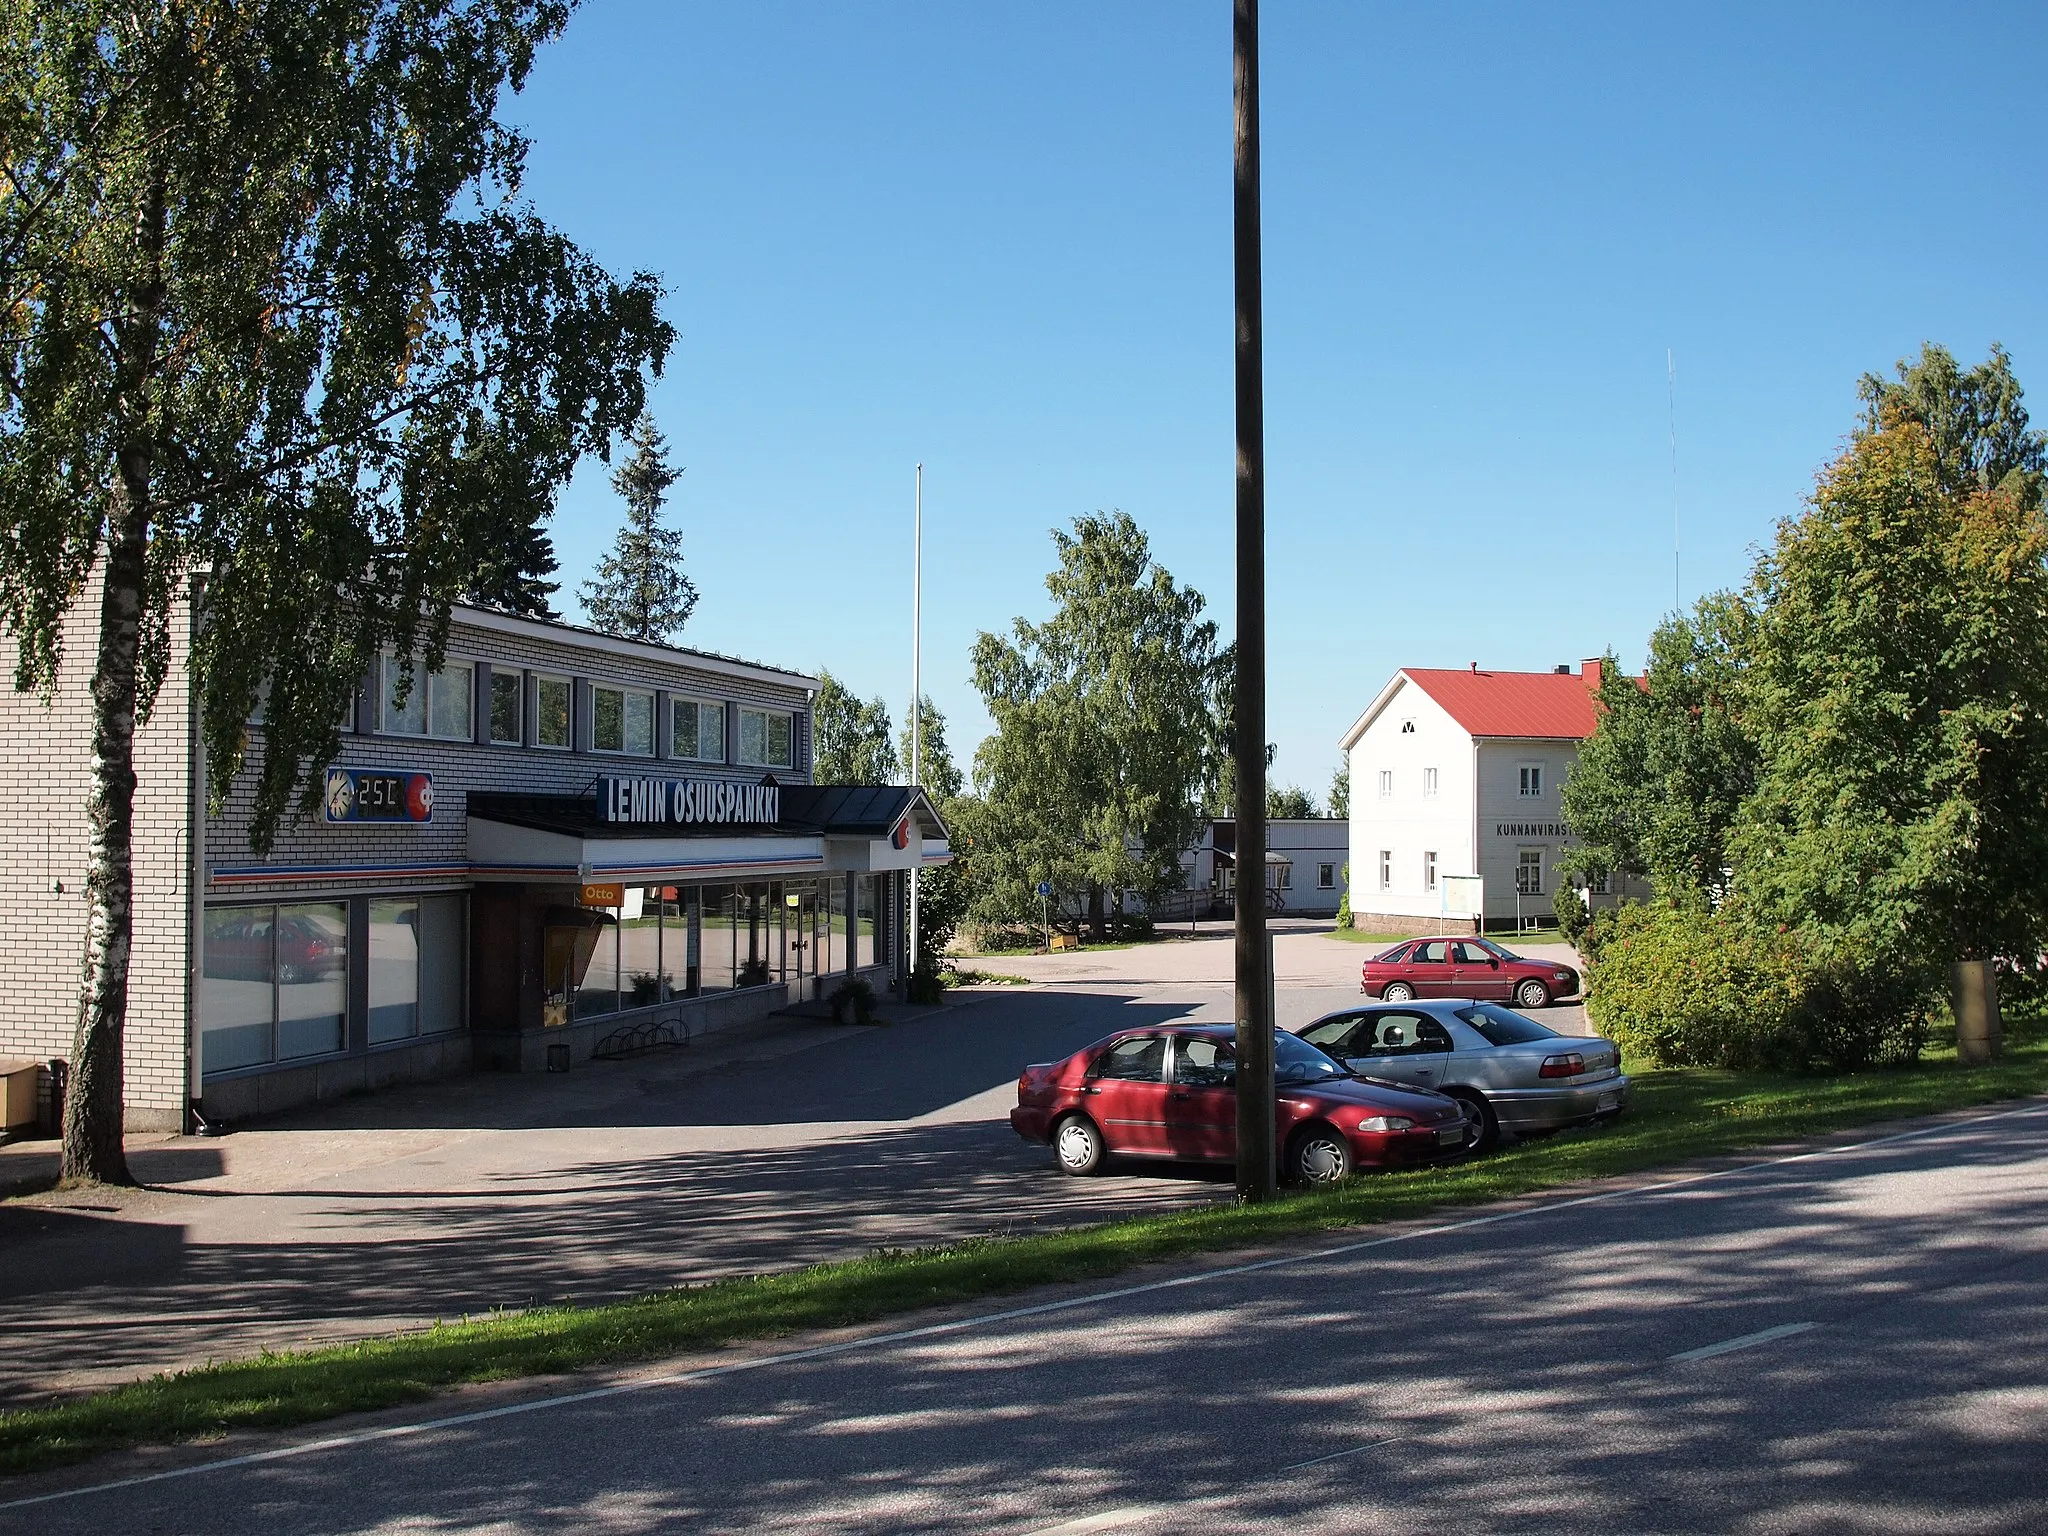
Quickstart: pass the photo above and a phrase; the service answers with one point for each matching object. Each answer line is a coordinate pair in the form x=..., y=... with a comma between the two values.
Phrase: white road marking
x=1108, y=1520
x=986, y=1319
x=1729, y=1346
x=1317, y=1461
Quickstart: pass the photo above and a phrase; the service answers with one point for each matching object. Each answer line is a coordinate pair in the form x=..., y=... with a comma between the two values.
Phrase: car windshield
x=1505, y=954
x=1503, y=1026
x=1296, y=1061
x=1389, y=954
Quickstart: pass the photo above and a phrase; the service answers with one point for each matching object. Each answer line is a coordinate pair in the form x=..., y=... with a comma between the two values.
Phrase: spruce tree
x=640, y=591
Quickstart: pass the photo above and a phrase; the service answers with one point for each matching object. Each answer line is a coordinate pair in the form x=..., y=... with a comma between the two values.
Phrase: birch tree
x=274, y=310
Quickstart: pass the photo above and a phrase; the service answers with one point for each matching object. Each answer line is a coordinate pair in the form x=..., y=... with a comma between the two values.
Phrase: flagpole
x=916, y=689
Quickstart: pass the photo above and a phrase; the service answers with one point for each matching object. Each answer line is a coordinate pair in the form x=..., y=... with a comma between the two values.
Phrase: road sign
x=1044, y=889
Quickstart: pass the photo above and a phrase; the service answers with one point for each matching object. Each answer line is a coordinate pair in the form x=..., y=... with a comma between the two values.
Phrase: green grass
x=1360, y=936
x=1679, y=1115
x=967, y=976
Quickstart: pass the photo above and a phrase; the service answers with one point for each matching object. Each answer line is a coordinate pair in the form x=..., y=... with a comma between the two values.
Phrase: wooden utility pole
x=1255, y=1150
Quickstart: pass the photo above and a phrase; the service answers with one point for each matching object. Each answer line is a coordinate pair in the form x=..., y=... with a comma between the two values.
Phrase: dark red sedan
x=1170, y=1092
x=1467, y=967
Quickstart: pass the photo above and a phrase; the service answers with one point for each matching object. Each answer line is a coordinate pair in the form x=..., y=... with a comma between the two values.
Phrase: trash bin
x=18, y=1096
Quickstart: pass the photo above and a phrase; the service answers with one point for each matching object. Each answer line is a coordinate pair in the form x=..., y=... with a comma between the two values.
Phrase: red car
x=1467, y=967
x=1170, y=1092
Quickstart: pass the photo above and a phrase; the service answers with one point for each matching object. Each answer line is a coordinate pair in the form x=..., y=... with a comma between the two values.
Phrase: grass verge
x=1679, y=1115
x=1360, y=936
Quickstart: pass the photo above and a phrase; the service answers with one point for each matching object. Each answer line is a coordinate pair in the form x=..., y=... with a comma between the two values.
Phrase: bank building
x=557, y=845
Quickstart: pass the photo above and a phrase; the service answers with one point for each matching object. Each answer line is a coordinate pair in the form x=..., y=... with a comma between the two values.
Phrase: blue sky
x=995, y=237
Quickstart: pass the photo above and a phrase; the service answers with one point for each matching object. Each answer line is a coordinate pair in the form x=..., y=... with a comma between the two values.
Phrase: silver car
x=1509, y=1072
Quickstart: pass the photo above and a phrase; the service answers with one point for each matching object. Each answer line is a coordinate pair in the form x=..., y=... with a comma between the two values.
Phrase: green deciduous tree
x=1898, y=682
x=639, y=590
x=1340, y=793
x=1290, y=803
x=943, y=893
x=1104, y=726
x=275, y=311
x=1658, y=784
x=851, y=737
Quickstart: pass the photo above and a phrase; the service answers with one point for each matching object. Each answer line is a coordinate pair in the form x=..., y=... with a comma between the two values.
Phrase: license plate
x=1606, y=1101
x=1455, y=1133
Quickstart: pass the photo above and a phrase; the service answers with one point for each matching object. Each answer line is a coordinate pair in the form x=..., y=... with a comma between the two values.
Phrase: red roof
x=1533, y=704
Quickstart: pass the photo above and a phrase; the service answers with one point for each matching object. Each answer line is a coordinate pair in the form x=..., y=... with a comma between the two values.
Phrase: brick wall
x=460, y=767
x=46, y=764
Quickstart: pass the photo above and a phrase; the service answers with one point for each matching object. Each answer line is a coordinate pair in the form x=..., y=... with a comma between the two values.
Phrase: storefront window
x=764, y=738
x=394, y=971
x=864, y=924
x=699, y=731
x=834, y=956
x=754, y=970
x=640, y=947
x=274, y=984
x=675, y=939
x=551, y=711
x=715, y=966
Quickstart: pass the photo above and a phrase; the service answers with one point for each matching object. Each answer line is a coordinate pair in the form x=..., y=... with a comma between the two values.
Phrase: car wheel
x=1397, y=992
x=288, y=975
x=1320, y=1157
x=1533, y=994
x=1482, y=1126
x=1077, y=1145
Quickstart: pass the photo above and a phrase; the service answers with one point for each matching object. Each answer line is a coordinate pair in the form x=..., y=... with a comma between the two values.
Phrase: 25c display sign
x=379, y=794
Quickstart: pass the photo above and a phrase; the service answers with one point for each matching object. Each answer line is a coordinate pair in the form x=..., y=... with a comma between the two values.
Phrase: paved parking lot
x=795, y=1142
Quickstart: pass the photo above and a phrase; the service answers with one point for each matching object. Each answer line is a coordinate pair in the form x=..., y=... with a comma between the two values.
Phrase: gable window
x=1529, y=872
x=1326, y=877
x=1429, y=783
x=551, y=711
x=508, y=708
x=622, y=720
x=1429, y=871
x=1386, y=869
x=437, y=704
x=698, y=731
x=1532, y=781
x=765, y=738
x=1386, y=783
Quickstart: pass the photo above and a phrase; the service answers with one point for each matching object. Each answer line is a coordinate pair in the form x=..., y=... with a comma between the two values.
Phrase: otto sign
x=671, y=801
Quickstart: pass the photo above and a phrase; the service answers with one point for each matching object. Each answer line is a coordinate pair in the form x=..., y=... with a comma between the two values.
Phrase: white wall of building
x=1410, y=735
x=1514, y=824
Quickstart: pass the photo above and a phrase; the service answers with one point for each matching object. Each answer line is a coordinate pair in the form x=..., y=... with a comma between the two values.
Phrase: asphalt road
x=1847, y=1340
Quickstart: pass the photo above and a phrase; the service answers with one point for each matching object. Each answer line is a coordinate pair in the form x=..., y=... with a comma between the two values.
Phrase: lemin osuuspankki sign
x=669, y=802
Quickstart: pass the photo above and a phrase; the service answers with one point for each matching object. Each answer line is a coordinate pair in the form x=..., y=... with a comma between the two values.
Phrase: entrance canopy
x=659, y=831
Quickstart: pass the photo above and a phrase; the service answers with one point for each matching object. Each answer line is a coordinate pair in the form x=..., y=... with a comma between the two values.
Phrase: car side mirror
x=1494, y=963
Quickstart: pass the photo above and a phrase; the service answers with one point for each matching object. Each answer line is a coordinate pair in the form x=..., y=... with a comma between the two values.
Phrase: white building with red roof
x=1454, y=795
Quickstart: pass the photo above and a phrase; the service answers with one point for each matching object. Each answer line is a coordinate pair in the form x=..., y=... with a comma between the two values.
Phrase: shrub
x=1344, y=901
x=927, y=984
x=1573, y=918
x=1690, y=990
x=854, y=993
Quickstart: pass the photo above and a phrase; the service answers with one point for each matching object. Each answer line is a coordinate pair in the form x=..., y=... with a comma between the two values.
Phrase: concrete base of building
x=1404, y=922
x=260, y=1094
x=528, y=1050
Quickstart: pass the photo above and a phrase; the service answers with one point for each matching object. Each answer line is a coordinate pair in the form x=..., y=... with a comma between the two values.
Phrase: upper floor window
x=551, y=711
x=699, y=731
x=1386, y=783
x=1532, y=780
x=622, y=720
x=508, y=708
x=1429, y=783
x=437, y=704
x=765, y=739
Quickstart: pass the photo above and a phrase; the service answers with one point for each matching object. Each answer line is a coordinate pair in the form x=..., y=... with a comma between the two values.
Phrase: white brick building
x=1458, y=774
x=557, y=836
